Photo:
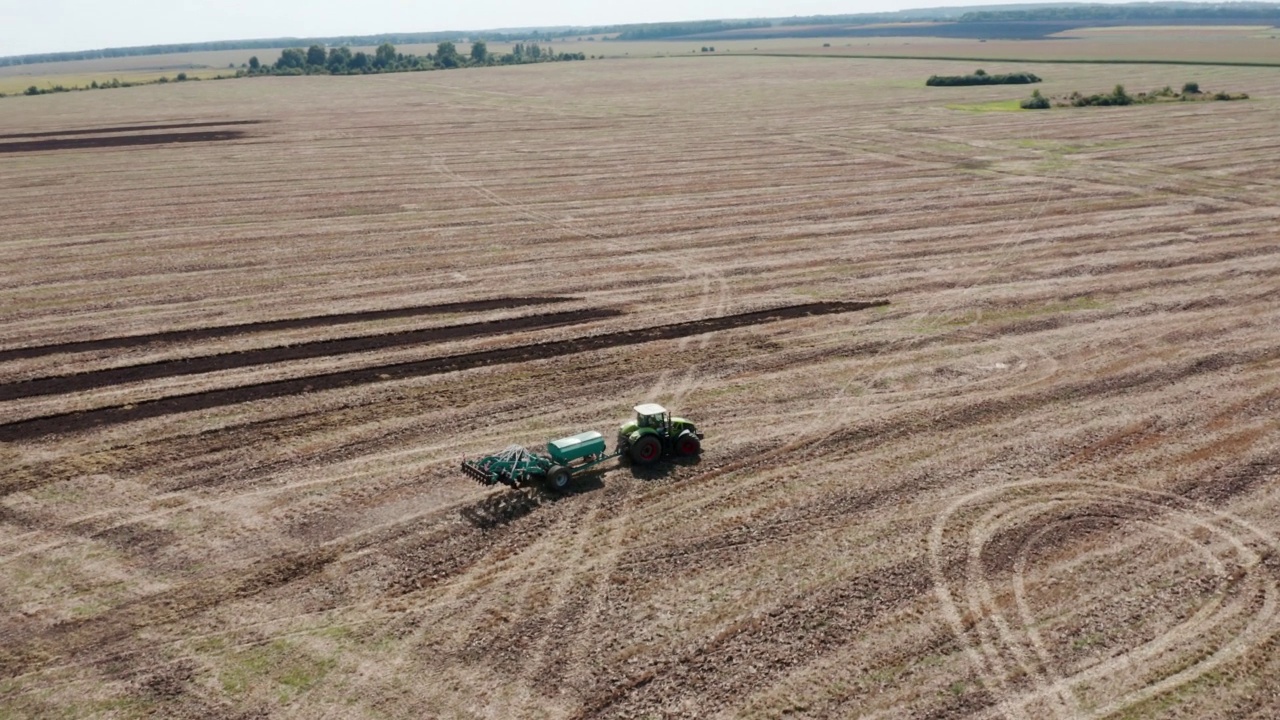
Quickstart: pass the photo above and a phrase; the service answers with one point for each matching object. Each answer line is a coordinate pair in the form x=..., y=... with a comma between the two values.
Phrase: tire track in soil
x=218, y=332
x=968, y=414
x=79, y=382
x=1035, y=500
x=32, y=651
x=453, y=555
x=417, y=553
x=526, y=647
x=494, y=510
x=579, y=650
x=747, y=654
x=120, y=141
x=104, y=417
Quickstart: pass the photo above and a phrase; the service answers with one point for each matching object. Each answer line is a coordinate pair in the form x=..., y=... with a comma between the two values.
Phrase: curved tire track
x=994, y=645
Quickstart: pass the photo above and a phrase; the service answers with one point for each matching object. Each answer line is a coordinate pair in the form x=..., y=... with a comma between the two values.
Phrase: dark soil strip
x=102, y=417
x=127, y=128
x=224, y=331
x=62, y=384
x=119, y=141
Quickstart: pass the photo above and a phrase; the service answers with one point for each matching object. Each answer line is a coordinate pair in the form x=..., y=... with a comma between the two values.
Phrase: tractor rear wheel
x=646, y=450
x=687, y=444
x=559, y=478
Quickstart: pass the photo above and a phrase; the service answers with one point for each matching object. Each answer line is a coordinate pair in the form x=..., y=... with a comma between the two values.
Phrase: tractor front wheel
x=559, y=478
x=646, y=450
x=687, y=445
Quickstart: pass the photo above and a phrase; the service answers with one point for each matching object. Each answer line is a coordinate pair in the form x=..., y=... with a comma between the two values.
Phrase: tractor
x=653, y=435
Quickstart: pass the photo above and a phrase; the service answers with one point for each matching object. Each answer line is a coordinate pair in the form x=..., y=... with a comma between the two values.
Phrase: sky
x=39, y=26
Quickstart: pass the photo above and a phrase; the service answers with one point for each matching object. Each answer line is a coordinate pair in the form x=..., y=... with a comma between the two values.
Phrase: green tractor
x=655, y=434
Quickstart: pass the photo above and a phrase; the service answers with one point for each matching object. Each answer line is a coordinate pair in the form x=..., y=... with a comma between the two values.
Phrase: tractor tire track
x=993, y=644
x=749, y=653
x=103, y=417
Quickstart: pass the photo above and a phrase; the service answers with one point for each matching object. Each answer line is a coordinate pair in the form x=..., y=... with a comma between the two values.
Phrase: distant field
x=14, y=84
x=1207, y=44
x=1181, y=44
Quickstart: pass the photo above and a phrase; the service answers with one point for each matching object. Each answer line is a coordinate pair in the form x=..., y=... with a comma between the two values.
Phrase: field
x=252, y=326
x=1183, y=44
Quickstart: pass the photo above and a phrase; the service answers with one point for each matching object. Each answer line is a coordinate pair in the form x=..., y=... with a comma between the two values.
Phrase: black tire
x=646, y=451
x=688, y=445
x=559, y=478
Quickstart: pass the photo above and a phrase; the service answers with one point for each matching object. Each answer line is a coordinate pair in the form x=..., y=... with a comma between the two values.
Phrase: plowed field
x=992, y=399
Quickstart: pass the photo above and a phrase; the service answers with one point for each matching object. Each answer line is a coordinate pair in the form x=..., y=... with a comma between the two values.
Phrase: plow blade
x=481, y=475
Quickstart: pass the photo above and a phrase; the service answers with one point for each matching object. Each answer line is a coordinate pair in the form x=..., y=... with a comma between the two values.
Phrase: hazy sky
x=36, y=26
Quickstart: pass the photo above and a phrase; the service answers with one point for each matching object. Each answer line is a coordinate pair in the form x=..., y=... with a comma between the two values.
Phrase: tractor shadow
x=663, y=469
x=507, y=506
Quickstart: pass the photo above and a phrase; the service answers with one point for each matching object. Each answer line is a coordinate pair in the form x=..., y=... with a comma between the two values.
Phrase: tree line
x=319, y=60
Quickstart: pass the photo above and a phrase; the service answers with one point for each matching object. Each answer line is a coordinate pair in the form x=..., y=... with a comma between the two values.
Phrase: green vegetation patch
x=993, y=106
x=1119, y=97
x=980, y=77
x=284, y=666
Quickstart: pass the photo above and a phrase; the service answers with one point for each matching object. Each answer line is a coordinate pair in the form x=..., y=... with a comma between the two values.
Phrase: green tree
x=254, y=64
x=359, y=62
x=385, y=56
x=339, y=59
x=1035, y=102
x=447, y=55
x=316, y=55
x=291, y=58
x=1191, y=87
x=479, y=52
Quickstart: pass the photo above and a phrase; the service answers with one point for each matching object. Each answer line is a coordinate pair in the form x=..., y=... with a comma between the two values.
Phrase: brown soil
x=264, y=326
x=302, y=351
x=78, y=421
x=1041, y=483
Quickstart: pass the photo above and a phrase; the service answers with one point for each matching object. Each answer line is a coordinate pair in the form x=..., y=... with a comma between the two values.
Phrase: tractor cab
x=653, y=415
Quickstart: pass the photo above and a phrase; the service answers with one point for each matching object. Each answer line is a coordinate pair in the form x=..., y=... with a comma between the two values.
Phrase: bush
x=1191, y=88
x=1035, y=102
x=33, y=90
x=182, y=77
x=980, y=77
